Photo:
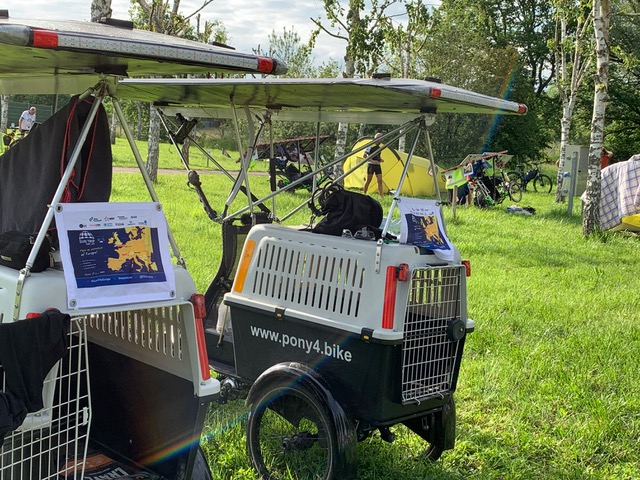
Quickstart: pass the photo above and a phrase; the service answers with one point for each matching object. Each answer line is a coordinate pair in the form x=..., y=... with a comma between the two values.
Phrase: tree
x=622, y=133
x=364, y=34
x=601, y=23
x=445, y=44
x=158, y=17
x=100, y=9
x=572, y=53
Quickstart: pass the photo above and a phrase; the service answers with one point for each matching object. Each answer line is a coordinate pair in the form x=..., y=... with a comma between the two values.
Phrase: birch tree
x=100, y=9
x=159, y=16
x=364, y=34
x=573, y=60
x=601, y=23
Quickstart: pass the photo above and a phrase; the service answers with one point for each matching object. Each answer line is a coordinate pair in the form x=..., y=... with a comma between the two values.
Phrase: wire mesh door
x=51, y=443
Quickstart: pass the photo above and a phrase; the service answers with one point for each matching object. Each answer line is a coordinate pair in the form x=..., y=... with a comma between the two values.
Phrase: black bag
x=15, y=248
x=346, y=210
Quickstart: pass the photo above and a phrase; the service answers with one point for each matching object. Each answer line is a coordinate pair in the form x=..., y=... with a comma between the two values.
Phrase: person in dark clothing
x=374, y=167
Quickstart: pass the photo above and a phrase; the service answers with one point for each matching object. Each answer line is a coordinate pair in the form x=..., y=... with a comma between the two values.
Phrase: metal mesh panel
x=326, y=283
x=429, y=356
x=54, y=439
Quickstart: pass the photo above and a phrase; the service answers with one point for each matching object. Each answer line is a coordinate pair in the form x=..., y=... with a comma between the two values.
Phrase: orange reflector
x=403, y=272
x=467, y=267
x=200, y=311
x=45, y=39
x=522, y=108
x=265, y=64
x=435, y=93
x=389, y=304
x=243, y=266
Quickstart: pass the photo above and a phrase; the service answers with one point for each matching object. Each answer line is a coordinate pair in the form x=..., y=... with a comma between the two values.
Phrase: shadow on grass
x=560, y=214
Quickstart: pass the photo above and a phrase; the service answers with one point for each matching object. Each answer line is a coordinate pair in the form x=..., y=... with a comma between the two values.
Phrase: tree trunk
x=185, y=150
x=139, y=123
x=569, y=78
x=591, y=206
x=112, y=127
x=100, y=9
x=154, y=144
x=4, y=113
x=565, y=128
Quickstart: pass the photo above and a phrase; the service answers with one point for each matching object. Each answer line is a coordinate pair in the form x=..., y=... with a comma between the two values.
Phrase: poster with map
x=422, y=226
x=114, y=253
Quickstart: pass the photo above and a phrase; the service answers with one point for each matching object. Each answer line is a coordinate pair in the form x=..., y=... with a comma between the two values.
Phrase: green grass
x=549, y=386
x=169, y=158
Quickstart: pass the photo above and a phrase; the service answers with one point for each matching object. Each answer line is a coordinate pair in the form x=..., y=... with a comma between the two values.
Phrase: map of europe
x=115, y=256
x=136, y=249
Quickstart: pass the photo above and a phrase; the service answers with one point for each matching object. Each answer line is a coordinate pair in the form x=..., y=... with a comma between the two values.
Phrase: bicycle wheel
x=542, y=183
x=515, y=192
x=291, y=435
x=515, y=177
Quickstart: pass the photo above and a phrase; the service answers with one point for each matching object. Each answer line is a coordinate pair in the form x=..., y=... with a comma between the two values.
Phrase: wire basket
x=51, y=443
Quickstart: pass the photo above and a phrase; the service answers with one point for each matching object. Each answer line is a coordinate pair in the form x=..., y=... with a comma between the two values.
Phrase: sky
x=247, y=24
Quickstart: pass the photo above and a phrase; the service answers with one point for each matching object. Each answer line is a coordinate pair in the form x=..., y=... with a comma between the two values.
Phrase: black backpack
x=346, y=210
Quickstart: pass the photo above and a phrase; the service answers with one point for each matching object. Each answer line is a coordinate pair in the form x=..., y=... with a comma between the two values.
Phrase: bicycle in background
x=541, y=182
x=490, y=190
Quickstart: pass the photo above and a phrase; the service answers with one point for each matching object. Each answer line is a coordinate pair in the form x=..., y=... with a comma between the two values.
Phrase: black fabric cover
x=346, y=210
x=31, y=170
x=28, y=351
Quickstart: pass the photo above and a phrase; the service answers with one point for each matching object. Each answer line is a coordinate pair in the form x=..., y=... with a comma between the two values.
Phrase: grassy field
x=549, y=385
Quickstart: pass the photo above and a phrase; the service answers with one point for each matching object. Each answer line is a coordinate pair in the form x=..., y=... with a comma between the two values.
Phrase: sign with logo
x=422, y=225
x=114, y=253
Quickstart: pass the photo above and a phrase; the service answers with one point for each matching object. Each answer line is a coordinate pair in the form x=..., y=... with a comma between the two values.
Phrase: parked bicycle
x=541, y=182
x=489, y=190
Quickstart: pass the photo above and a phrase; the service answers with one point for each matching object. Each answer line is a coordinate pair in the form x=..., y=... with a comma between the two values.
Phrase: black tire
x=290, y=434
x=515, y=192
x=515, y=177
x=201, y=469
x=542, y=183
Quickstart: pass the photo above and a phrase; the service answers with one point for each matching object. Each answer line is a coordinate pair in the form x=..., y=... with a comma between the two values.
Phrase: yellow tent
x=419, y=181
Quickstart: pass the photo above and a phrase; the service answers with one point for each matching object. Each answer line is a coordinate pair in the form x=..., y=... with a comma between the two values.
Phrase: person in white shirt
x=27, y=119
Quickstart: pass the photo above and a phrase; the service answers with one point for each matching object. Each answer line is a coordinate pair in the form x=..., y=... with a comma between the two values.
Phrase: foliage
x=446, y=48
x=622, y=134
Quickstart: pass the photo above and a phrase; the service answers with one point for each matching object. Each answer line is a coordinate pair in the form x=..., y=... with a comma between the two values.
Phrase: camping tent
x=419, y=181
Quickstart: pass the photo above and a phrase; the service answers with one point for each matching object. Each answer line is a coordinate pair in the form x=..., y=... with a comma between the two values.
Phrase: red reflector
x=265, y=64
x=32, y=315
x=389, y=304
x=522, y=108
x=467, y=267
x=45, y=39
x=200, y=311
x=403, y=272
x=435, y=93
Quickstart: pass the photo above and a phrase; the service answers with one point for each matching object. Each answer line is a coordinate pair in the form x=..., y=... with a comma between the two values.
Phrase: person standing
x=605, y=158
x=374, y=166
x=27, y=119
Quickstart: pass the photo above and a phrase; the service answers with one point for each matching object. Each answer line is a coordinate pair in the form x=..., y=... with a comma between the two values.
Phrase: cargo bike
x=330, y=337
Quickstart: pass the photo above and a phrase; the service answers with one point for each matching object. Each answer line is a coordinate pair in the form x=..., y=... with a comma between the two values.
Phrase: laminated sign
x=114, y=253
x=422, y=226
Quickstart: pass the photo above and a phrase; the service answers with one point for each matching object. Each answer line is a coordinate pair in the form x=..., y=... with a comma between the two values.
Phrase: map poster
x=422, y=226
x=114, y=253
